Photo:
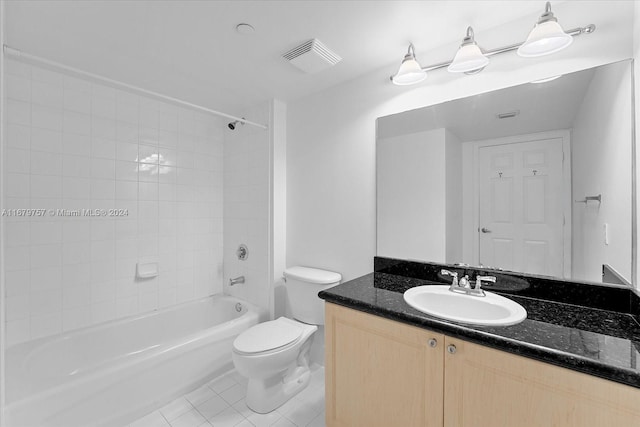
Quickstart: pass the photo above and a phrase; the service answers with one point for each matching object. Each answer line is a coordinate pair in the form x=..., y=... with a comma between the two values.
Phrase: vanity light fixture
x=410, y=71
x=469, y=59
x=546, y=37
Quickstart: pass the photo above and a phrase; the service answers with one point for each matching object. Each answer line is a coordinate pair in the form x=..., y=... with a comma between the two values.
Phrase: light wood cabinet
x=384, y=373
x=380, y=372
x=488, y=387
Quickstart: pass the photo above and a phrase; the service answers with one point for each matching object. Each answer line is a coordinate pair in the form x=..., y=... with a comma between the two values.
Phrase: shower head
x=233, y=124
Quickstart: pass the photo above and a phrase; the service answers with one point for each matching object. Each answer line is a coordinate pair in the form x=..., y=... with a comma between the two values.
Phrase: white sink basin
x=490, y=310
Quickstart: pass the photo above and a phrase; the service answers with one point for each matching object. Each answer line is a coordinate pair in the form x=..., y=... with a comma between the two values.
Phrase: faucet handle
x=480, y=279
x=452, y=274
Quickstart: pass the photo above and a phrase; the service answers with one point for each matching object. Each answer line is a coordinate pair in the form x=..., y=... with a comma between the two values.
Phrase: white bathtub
x=112, y=373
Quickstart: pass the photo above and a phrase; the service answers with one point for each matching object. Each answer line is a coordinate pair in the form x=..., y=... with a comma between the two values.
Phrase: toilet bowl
x=274, y=355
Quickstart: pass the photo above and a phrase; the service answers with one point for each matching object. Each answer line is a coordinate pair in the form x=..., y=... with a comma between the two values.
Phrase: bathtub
x=112, y=373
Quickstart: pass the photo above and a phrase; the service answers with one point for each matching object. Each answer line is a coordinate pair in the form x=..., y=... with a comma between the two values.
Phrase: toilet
x=274, y=355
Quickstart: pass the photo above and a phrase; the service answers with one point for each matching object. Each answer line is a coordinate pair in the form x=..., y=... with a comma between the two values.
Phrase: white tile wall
x=246, y=208
x=73, y=144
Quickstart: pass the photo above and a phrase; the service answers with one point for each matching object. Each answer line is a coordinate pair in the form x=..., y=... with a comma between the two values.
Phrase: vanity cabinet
x=385, y=373
x=380, y=372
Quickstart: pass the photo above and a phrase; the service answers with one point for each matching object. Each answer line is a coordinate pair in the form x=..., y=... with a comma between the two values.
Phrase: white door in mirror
x=521, y=214
x=490, y=310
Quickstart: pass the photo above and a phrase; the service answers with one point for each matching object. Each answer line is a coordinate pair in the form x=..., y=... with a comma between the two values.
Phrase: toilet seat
x=268, y=337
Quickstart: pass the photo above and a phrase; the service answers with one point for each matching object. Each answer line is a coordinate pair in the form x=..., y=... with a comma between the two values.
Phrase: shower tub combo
x=112, y=373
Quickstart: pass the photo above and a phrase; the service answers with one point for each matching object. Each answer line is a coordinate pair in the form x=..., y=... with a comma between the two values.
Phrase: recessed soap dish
x=147, y=270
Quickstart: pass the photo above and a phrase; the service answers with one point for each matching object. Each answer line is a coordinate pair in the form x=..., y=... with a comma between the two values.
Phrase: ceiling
x=540, y=106
x=190, y=49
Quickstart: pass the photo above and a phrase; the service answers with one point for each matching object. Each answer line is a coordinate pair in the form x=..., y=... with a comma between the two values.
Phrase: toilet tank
x=303, y=285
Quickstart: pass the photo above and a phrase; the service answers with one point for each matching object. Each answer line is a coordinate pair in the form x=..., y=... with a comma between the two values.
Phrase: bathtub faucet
x=233, y=281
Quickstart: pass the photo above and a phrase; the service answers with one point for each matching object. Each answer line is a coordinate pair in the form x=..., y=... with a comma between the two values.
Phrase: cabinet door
x=490, y=388
x=380, y=372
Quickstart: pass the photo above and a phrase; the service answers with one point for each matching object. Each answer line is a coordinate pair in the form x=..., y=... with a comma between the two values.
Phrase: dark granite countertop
x=599, y=342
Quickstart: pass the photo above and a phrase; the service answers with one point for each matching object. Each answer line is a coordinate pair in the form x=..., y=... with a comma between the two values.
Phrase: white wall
x=331, y=135
x=453, y=197
x=601, y=159
x=636, y=77
x=2, y=249
x=74, y=144
x=279, y=205
x=411, y=196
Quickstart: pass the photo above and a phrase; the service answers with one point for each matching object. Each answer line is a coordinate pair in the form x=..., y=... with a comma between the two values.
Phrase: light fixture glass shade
x=545, y=38
x=410, y=72
x=469, y=58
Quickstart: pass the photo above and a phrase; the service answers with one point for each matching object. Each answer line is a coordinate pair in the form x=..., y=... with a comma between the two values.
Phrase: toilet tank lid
x=312, y=275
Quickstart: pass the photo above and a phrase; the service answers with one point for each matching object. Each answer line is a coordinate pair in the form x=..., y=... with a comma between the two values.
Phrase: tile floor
x=221, y=403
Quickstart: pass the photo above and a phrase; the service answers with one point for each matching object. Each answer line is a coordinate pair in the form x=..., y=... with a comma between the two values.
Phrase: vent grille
x=312, y=56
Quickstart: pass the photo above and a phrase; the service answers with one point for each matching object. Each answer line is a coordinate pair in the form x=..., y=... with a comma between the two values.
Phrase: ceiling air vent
x=312, y=56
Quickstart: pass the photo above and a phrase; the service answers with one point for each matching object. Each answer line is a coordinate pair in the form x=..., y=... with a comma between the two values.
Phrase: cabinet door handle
x=451, y=349
x=433, y=342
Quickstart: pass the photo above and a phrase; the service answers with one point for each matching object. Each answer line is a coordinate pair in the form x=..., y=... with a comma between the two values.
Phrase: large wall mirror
x=535, y=178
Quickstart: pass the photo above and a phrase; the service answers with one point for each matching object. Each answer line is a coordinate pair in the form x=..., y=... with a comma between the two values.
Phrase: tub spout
x=236, y=280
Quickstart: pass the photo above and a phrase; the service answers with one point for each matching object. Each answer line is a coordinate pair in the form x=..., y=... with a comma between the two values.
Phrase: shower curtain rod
x=16, y=53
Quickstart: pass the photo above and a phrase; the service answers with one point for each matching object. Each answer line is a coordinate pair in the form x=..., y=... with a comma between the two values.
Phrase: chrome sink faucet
x=453, y=274
x=464, y=285
x=464, y=282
